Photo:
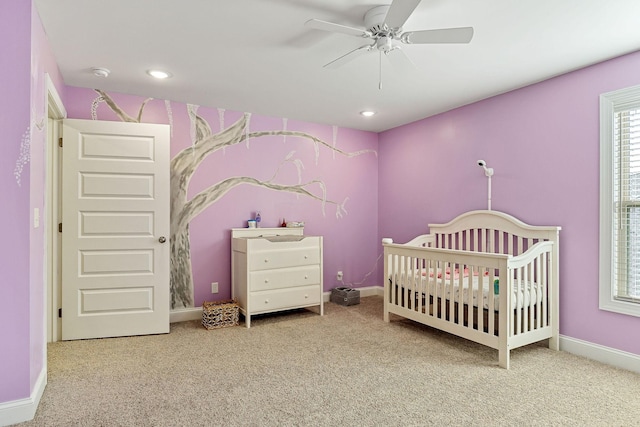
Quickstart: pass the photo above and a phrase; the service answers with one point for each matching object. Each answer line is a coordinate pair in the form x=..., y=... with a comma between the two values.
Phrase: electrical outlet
x=339, y=276
x=214, y=287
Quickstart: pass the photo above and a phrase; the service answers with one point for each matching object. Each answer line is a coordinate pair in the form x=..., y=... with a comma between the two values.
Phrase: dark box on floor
x=220, y=314
x=345, y=296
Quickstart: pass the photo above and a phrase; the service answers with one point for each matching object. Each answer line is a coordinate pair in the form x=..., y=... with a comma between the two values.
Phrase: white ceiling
x=257, y=55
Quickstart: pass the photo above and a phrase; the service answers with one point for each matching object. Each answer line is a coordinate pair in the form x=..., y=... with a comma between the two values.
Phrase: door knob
x=162, y=239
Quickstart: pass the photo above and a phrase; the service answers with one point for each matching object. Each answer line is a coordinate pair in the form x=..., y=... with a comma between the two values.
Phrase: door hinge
x=60, y=312
x=60, y=228
x=60, y=142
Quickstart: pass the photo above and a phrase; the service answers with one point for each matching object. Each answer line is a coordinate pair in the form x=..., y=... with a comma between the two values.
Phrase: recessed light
x=367, y=113
x=159, y=74
x=100, y=72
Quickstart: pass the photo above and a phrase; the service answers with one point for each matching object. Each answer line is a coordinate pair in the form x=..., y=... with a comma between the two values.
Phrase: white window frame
x=611, y=103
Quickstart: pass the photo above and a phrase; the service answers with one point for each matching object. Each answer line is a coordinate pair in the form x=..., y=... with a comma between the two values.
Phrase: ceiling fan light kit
x=383, y=26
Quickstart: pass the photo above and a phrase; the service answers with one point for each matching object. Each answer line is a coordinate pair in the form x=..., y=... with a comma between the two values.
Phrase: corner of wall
x=22, y=410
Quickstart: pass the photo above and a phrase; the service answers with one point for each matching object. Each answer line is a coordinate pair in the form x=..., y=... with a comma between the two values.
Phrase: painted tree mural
x=186, y=162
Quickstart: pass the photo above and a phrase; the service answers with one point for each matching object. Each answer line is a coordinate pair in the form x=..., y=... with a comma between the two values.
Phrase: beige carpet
x=345, y=368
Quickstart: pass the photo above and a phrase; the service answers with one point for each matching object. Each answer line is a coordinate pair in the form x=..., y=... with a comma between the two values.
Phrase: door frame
x=54, y=113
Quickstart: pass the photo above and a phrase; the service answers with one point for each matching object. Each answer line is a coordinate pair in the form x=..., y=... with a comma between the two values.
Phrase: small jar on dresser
x=275, y=269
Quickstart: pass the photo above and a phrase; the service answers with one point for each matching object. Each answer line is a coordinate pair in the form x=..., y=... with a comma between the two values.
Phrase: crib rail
x=436, y=287
x=498, y=300
x=532, y=277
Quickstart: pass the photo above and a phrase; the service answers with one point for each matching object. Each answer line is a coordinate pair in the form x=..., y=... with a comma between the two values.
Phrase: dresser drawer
x=282, y=299
x=284, y=257
x=284, y=278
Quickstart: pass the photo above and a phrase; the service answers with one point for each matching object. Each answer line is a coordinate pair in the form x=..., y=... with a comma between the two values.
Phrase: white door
x=115, y=229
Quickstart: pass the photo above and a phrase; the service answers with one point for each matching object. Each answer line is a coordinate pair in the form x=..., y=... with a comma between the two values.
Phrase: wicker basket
x=220, y=314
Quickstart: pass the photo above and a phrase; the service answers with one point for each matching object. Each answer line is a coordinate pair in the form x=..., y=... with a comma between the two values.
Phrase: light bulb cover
x=159, y=74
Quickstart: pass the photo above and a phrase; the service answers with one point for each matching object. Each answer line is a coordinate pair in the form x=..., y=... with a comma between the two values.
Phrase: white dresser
x=275, y=269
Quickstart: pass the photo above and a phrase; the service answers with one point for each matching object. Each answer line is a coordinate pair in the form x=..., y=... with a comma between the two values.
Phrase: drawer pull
x=306, y=257
x=306, y=277
x=306, y=296
x=266, y=280
x=266, y=301
x=266, y=260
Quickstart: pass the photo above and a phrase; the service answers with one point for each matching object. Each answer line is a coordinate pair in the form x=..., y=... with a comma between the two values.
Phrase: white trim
x=610, y=356
x=610, y=103
x=185, y=314
x=367, y=291
x=21, y=410
x=53, y=99
x=54, y=110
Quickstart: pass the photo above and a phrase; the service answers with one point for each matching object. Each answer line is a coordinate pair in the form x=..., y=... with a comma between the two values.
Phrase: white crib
x=485, y=276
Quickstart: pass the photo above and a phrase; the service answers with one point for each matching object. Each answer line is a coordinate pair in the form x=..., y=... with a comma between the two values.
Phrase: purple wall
x=543, y=142
x=350, y=242
x=26, y=57
x=15, y=321
x=42, y=61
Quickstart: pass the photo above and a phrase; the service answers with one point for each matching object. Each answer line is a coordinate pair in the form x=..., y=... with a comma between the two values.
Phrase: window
x=620, y=201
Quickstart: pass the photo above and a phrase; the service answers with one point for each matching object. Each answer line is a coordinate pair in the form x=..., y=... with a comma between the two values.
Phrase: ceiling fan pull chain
x=380, y=70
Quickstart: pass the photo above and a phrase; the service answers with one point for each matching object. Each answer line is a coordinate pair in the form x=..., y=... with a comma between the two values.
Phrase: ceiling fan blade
x=444, y=35
x=337, y=28
x=400, y=61
x=399, y=12
x=349, y=56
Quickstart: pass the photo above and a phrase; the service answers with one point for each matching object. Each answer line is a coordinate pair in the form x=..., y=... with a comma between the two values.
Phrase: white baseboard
x=195, y=313
x=18, y=411
x=610, y=356
x=185, y=314
x=367, y=291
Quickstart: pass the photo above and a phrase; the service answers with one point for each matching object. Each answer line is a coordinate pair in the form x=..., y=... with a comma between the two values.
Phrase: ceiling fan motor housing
x=374, y=20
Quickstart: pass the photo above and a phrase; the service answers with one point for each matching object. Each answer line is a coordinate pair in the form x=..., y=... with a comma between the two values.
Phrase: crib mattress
x=439, y=285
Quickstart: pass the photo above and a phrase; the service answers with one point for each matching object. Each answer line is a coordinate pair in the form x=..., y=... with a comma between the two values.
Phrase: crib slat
x=407, y=284
x=546, y=274
x=395, y=278
x=442, y=291
x=461, y=291
x=470, y=317
x=518, y=328
x=510, y=311
x=539, y=281
x=480, y=301
x=520, y=244
x=451, y=298
x=525, y=281
x=516, y=287
x=491, y=298
x=408, y=289
x=429, y=286
x=420, y=280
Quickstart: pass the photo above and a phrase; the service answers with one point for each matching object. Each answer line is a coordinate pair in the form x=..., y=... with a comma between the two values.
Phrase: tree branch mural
x=186, y=162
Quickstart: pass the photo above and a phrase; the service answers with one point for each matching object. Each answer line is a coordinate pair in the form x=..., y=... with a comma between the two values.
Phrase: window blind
x=626, y=197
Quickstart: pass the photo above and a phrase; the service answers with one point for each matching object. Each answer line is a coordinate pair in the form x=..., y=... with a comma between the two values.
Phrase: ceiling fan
x=383, y=29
